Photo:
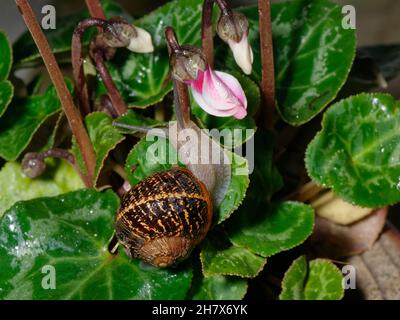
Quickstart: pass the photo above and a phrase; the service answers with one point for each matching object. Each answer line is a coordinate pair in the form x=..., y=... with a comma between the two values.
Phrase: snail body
x=163, y=217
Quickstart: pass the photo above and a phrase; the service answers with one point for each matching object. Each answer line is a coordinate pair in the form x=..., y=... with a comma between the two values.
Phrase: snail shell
x=163, y=217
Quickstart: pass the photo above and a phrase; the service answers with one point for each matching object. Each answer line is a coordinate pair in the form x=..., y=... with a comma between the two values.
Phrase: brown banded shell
x=162, y=218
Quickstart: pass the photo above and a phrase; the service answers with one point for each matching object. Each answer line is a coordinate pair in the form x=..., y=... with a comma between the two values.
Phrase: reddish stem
x=267, y=62
x=77, y=60
x=95, y=9
x=182, y=103
x=207, y=29
x=207, y=41
x=116, y=99
x=71, y=112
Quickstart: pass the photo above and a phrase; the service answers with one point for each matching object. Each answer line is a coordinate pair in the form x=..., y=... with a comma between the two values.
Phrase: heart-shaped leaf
x=267, y=230
x=219, y=258
x=318, y=280
x=143, y=79
x=55, y=248
x=239, y=130
x=26, y=53
x=23, y=118
x=220, y=288
x=59, y=177
x=104, y=137
x=6, y=88
x=313, y=54
x=361, y=163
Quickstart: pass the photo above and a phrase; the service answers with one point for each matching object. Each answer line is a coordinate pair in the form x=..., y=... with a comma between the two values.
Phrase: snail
x=163, y=217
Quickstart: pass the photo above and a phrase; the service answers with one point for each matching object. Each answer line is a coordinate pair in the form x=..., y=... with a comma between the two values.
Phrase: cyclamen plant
x=73, y=150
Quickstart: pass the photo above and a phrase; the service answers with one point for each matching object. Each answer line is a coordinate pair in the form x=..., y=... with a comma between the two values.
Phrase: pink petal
x=210, y=109
x=198, y=83
x=234, y=86
x=219, y=94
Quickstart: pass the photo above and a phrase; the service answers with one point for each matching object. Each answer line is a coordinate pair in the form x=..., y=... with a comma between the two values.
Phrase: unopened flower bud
x=234, y=30
x=187, y=62
x=123, y=34
x=32, y=165
x=142, y=43
x=119, y=33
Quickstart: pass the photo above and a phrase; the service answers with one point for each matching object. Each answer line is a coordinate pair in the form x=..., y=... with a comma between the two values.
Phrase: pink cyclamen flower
x=218, y=93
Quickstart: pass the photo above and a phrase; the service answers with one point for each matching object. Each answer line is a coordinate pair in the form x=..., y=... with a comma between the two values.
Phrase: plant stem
x=71, y=112
x=267, y=62
x=95, y=9
x=207, y=41
x=181, y=94
x=207, y=29
x=58, y=153
x=116, y=99
x=77, y=60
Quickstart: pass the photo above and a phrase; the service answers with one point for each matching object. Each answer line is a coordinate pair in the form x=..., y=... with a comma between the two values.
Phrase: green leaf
x=320, y=280
x=144, y=160
x=26, y=53
x=53, y=131
x=267, y=230
x=236, y=190
x=218, y=258
x=221, y=288
x=6, y=88
x=324, y=281
x=71, y=233
x=6, y=94
x=5, y=56
x=265, y=179
x=294, y=280
x=361, y=163
x=22, y=119
x=312, y=53
x=59, y=177
x=237, y=128
x=104, y=137
x=135, y=119
x=143, y=79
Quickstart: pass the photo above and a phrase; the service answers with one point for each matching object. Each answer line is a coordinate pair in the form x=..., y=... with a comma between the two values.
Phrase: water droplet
x=398, y=185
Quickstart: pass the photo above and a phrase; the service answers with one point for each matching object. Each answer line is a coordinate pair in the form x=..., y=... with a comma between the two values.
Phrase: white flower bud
x=234, y=30
x=142, y=43
x=242, y=53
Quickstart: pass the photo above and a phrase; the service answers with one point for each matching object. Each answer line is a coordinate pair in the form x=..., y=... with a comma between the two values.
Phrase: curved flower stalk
x=232, y=28
x=217, y=93
x=127, y=35
x=116, y=33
